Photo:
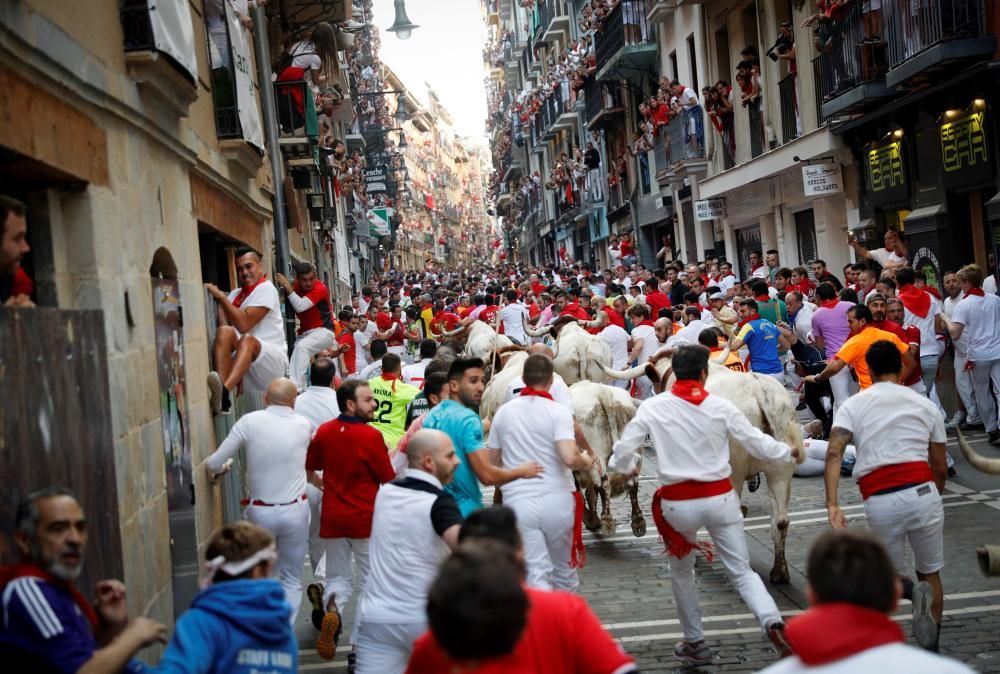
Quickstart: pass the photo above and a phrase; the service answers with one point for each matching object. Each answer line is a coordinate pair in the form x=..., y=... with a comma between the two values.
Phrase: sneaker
x=329, y=633
x=215, y=389
x=352, y=662
x=925, y=629
x=965, y=427
x=994, y=437
x=957, y=420
x=315, y=595
x=753, y=484
x=776, y=633
x=695, y=654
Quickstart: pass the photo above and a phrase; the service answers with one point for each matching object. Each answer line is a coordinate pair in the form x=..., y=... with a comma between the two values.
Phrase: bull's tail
x=779, y=414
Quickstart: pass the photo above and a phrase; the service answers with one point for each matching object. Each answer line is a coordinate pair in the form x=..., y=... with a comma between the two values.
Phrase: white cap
x=717, y=296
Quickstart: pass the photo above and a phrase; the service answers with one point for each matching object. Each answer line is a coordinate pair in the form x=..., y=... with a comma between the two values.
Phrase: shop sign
x=965, y=156
x=886, y=173
x=378, y=221
x=709, y=209
x=375, y=180
x=821, y=180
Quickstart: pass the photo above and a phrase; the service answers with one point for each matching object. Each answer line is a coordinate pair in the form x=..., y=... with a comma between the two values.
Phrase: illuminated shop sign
x=965, y=151
x=886, y=171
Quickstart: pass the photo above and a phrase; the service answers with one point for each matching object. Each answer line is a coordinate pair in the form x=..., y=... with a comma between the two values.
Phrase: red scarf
x=829, y=304
x=762, y=298
x=830, y=632
x=676, y=544
x=751, y=317
x=245, y=292
x=28, y=570
x=578, y=553
x=690, y=390
x=528, y=391
x=978, y=292
x=915, y=300
x=389, y=376
x=646, y=322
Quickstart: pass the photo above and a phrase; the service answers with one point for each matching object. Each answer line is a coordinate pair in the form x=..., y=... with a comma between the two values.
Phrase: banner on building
x=375, y=180
x=821, y=180
x=965, y=149
x=246, y=91
x=885, y=171
x=378, y=221
x=173, y=32
x=709, y=209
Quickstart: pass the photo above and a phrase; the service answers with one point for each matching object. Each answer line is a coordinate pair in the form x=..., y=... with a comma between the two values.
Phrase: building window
x=805, y=236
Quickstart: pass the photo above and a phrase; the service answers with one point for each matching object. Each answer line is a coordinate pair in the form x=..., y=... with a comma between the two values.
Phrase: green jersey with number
x=390, y=415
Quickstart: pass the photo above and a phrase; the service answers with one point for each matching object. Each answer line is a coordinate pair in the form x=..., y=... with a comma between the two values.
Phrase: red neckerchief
x=690, y=390
x=830, y=632
x=245, y=292
x=978, y=292
x=697, y=305
x=762, y=298
x=915, y=300
x=829, y=304
x=28, y=570
x=528, y=391
x=933, y=291
x=752, y=271
x=389, y=376
x=751, y=317
x=646, y=322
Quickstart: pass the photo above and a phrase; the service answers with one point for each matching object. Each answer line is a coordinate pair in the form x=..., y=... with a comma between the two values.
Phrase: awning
x=924, y=219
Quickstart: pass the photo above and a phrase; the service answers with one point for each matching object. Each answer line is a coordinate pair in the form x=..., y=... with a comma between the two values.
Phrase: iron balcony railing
x=296, y=111
x=600, y=96
x=546, y=11
x=565, y=204
x=848, y=56
x=679, y=141
x=913, y=26
x=789, y=108
x=755, y=114
x=625, y=25
x=818, y=65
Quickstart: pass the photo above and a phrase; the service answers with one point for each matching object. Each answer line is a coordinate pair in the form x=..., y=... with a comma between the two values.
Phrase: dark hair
x=345, y=315
x=693, y=312
x=709, y=338
x=245, y=250
x=498, y=523
x=888, y=282
x=349, y=391
x=757, y=253
x=10, y=205
x=434, y=383
x=26, y=519
x=848, y=295
x=758, y=287
x=511, y=295
x=366, y=292
x=772, y=252
x=236, y=542
x=441, y=364
x=322, y=372
x=391, y=363
x=456, y=371
x=883, y=358
x=784, y=272
x=378, y=349
x=905, y=276
x=861, y=313
x=304, y=268
x=826, y=291
x=750, y=304
x=691, y=296
x=537, y=370
x=851, y=566
x=477, y=608
x=819, y=261
x=690, y=361
x=428, y=347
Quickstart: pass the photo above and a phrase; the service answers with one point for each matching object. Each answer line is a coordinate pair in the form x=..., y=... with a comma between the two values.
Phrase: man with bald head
x=414, y=525
x=276, y=440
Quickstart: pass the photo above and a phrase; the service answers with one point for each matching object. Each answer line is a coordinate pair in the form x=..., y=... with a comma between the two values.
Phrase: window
x=693, y=60
x=673, y=65
x=805, y=236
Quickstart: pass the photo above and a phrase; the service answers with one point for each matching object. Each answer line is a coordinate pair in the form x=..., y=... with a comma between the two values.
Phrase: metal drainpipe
x=262, y=53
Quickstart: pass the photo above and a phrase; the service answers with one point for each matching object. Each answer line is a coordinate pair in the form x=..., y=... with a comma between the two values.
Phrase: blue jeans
x=696, y=145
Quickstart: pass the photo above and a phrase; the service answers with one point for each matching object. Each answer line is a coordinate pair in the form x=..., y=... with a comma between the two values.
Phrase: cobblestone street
x=627, y=581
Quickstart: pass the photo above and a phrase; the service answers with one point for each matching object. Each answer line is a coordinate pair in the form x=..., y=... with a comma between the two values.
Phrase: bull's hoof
x=608, y=526
x=779, y=575
x=639, y=526
x=591, y=520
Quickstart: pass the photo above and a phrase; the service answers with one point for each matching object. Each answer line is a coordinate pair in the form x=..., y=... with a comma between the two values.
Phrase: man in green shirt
x=769, y=308
x=392, y=396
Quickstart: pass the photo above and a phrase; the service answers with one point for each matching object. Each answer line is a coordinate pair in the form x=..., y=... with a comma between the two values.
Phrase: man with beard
x=48, y=625
x=15, y=284
x=883, y=319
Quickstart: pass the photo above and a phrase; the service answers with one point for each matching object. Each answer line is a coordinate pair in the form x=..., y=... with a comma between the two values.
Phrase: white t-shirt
x=512, y=315
x=617, y=339
x=962, y=343
x=981, y=318
x=887, y=258
x=686, y=97
x=526, y=429
x=559, y=391
x=891, y=424
x=990, y=284
x=414, y=374
x=650, y=344
x=726, y=283
x=371, y=370
x=270, y=329
x=304, y=55
x=318, y=404
x=929, y=345
x=888, y=659
x=360, y=351
x=689, y=333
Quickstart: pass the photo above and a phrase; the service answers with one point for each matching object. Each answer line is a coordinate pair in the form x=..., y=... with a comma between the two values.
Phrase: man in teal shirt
x=763, y=340
x=457, y=417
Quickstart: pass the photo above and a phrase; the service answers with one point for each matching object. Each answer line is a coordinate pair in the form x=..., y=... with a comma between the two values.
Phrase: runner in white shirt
x=414, y=374
x=901, y=470
x=620, y=343
x=978, y=318
x=693, y=325
x=276, y=440
x=534, y=427
x=513, y=316
x=963, y=377
x=644, y=345
x=690, y=430
x=923, y=311
x=250, y=345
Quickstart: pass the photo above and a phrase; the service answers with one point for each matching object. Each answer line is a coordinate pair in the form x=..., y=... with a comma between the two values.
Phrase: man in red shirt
x=348, y=347
x=656, y=299
x=443, y=320
x=569, y=305
x=15, y=284
x=311, y=301
x=490, y=310
x=355, y=462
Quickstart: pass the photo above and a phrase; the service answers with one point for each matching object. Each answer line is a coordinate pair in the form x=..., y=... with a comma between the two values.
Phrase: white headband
x=213, y=566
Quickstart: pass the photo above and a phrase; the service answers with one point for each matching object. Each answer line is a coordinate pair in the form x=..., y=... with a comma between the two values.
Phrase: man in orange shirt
x=852, y=353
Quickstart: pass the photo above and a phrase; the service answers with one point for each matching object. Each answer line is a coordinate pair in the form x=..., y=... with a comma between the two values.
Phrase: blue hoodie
x=234, y=627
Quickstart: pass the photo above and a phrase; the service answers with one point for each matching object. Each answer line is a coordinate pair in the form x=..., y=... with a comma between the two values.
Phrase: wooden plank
x=56, y=424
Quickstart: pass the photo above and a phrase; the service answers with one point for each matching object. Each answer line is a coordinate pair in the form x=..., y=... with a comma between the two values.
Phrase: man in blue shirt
x=47, y=624
x=457, y=417
x=762, y=339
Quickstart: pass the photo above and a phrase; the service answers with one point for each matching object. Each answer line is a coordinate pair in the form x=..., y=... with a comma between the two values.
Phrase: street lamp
x=401, y=115
x=402, y=141
x=402, y=26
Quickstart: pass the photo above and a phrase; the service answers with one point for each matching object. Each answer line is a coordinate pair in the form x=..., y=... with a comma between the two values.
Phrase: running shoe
x=776, y=633
x=215, y=389
x=329, y=633
x=315, y=595
x=925, y=629
x=695, y=654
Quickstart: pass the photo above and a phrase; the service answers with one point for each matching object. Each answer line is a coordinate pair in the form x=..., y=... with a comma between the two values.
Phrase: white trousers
x=915, y=515
x=385, y=648
x=289, y=524
x=966, y=391
x=840, y=385
x=987, y=371
x=339, y=581
x=546, y=526
x=307, y=345
x=315, y=496
x=722, y=517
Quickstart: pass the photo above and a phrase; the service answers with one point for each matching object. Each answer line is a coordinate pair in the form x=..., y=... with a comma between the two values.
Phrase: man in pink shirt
x=830, y=331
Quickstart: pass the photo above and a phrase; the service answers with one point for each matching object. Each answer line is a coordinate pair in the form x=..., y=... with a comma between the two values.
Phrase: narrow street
x=627, y=581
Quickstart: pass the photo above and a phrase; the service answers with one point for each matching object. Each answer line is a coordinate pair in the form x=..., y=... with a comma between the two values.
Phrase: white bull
x=766, y=404
x=579, y=355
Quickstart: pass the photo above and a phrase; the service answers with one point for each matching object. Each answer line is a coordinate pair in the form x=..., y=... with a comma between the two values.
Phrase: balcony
x=681, y=151
x=928, y=37
x=298, y=128
x=566, y=207
x=493, y=12
x=554, y=16
x=791, y=125
x=564, y=116
x=850, y=70
x=164, y=70
x=604, y=105
x=625, y=47
x=659, y=11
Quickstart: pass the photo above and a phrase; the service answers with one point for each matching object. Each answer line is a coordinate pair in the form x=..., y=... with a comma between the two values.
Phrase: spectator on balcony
x=15, y=284
x=784, y=50
x=685, y=102
x=893, y=256
x=628, y=250
x=316, y=55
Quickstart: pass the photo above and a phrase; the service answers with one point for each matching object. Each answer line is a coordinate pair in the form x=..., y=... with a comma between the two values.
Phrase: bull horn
x=629, y=374
x=533, y=332
x=454, y=332
x=723, y=355
x=978, y=461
